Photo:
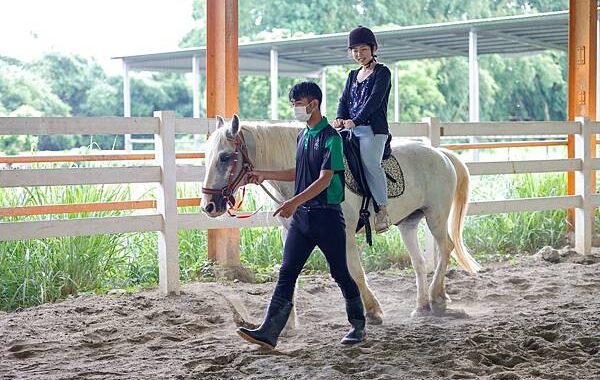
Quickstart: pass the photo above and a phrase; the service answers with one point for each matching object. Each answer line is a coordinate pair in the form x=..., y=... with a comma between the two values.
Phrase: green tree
x=70, y=85
x=25, y=93
x=530, y=88
x=159, y=92
x=71, y=77
x=527, y=87
x=11, y=145
x=426, y=87
x=419, y=95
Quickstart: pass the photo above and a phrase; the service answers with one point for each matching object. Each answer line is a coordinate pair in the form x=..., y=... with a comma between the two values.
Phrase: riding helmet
x=361, y=35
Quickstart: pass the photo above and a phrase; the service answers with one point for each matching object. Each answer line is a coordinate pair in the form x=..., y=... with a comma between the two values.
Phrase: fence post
x=583, y=188
x=166, y=204
x=433, y=138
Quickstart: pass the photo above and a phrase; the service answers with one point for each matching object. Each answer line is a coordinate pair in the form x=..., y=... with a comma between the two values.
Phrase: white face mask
x=300, y=114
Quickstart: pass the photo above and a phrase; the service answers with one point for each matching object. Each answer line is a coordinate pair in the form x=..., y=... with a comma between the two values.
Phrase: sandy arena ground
x=535, y=319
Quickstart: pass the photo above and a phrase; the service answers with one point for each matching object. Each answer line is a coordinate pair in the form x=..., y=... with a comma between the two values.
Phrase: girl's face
x=362, y=54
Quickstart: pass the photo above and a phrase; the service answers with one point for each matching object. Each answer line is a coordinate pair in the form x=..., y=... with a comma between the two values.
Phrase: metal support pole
x=473, y=85
x=196, y=97
x=126, y=103
x=196, y=85
x=396, y=95
x=324, y=91
x=274, y=84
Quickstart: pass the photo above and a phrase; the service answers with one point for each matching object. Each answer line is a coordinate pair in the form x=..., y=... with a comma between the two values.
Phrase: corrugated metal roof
x=306, y=56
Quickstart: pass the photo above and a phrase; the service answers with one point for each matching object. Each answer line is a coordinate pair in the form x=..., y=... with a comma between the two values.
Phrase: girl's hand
x=338, y=123
x=349, y=124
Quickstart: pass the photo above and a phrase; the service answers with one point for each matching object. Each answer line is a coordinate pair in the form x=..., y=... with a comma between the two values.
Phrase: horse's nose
x=210, y=207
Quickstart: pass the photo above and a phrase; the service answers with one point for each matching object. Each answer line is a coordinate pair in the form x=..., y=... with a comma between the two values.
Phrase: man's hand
x=286, y=209
x=256, y=177
x=349, y=124
x=338, y=123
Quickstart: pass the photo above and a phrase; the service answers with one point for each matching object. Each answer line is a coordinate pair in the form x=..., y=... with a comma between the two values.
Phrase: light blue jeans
x=371, y=152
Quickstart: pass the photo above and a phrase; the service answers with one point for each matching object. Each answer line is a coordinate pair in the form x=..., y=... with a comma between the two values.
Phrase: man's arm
x=288, y=207
x=257, y=176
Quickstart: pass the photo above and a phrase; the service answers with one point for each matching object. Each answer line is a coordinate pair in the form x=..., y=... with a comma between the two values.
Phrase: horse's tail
x=458, y=214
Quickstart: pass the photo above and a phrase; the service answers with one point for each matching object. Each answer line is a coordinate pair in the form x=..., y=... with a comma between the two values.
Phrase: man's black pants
x=310, y=227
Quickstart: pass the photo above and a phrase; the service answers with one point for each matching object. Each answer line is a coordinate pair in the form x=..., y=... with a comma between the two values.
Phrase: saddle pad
x=393, y=172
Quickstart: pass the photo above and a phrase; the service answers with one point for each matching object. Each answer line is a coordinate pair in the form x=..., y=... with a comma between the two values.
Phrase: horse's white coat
x=436, y=181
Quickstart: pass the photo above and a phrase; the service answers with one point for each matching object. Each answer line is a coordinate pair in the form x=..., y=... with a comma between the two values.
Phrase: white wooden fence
x=166, y=173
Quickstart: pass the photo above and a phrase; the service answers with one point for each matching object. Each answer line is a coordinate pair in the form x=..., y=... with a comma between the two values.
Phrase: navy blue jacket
x=374, y=112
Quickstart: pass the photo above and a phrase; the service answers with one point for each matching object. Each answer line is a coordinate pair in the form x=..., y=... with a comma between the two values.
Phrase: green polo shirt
x=320, y=148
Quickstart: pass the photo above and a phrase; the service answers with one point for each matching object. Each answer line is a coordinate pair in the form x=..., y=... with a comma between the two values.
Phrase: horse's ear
x=220, y=122
x=235, y=123
x=234, y=127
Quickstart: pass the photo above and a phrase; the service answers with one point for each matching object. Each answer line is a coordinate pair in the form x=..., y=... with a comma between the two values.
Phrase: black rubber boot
x=356, y=317
x=266, y=335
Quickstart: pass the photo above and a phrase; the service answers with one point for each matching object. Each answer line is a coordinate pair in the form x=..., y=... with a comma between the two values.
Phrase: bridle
x=241, y=149
x=228, y=190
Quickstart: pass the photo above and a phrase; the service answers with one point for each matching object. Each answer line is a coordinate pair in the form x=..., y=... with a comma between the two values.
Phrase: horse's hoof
x=419, y=312
x=374, y=319
x=438, y=309
x=456, y=313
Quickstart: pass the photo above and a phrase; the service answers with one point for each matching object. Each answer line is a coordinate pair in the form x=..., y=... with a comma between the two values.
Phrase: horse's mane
x=275, y=144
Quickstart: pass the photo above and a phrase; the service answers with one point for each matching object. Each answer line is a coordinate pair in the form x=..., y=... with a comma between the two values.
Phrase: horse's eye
x=224, y=157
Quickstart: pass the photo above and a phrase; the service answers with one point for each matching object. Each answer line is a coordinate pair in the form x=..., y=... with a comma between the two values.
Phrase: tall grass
x=42, y=270
x=490, y=236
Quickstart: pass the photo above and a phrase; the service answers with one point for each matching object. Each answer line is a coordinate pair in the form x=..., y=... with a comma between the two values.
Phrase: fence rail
x=92, y=157
x=165, y=173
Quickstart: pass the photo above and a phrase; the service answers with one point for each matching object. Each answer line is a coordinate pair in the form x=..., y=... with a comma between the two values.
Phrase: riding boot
x=382, y=220
x=356, y=317
x=266, y=335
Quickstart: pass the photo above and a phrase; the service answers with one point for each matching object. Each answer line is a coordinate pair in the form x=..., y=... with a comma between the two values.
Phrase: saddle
x=356, y=182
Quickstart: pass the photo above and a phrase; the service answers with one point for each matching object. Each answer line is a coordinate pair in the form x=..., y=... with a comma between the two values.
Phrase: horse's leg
x=408, y=228
x=438, y=225
x=372, y=306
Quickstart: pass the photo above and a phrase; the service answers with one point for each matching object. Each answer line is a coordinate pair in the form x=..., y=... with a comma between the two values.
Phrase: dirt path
x=531, y=320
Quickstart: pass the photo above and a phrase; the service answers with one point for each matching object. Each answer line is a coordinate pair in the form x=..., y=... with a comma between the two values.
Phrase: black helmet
x=361, y=35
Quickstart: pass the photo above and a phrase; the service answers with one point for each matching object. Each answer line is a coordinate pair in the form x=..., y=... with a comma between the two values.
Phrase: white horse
x=437, y=188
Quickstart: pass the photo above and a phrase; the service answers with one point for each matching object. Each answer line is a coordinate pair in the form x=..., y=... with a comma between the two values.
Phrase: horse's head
x=226, y=166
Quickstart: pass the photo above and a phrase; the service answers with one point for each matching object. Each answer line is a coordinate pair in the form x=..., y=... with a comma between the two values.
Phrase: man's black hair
x=308, y=90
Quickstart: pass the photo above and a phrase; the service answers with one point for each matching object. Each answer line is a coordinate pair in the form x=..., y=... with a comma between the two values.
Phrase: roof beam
x=432, y=48
x=505, y=35
x=523, y=40
x=315, y=69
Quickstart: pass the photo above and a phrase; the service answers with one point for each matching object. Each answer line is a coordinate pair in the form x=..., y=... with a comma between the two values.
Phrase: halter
x=228, y=190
